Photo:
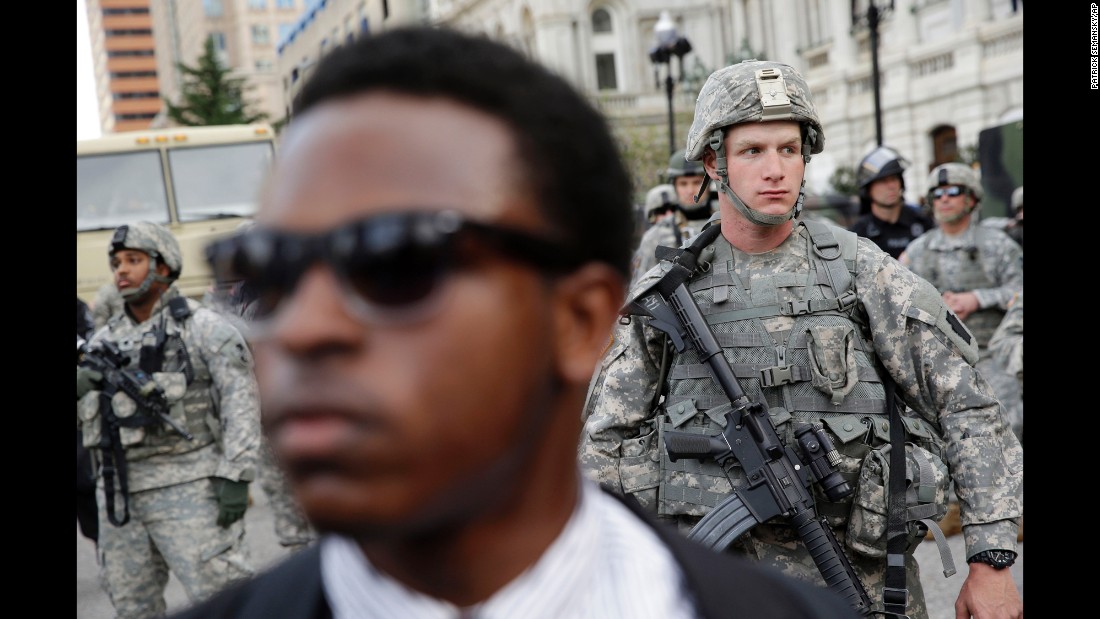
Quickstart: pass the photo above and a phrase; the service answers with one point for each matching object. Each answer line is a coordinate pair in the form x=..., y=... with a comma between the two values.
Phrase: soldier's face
x=686, y=186
x=886, y=191
x=130, y=268
x=386, y=426
x=765, y=164
x=947, y=208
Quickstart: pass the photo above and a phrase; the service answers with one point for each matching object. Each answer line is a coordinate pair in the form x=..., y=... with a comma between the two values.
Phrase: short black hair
x=565, y=145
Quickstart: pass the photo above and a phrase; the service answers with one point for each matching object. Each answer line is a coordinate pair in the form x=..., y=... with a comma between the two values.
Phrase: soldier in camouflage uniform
x=978, y=269
x=183, y=506
x=292, y=529
x=107, y=303
x=1007, y=343
x=814, y=321
x=667, y=227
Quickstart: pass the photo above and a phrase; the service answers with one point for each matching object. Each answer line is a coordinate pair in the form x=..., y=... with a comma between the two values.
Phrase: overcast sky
x=87, y=111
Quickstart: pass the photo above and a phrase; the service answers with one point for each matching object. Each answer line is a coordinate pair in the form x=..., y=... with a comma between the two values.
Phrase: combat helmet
x=155, y=240
x=753, y=91
x=660, y=196
x=955, y=174
x=679, y=166
x=882, y=162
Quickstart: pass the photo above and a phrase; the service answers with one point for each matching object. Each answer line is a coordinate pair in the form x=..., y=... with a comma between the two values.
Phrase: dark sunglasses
x=389, y=265
x=952, y=191
x=663, y=210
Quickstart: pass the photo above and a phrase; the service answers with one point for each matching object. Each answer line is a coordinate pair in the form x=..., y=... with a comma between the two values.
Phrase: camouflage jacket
x=208, y=380
x=912, y=333
x=982, y=260
x=662, y=234
x=1007, y=343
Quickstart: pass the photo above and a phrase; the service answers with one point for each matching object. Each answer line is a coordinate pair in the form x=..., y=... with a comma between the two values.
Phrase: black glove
x=232, y=500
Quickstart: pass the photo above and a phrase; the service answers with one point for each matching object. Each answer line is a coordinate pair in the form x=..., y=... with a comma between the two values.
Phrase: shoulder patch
x=926, y=305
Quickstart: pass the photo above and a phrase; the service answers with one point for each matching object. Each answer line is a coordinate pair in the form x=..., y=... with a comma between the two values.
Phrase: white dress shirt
x=605, y=564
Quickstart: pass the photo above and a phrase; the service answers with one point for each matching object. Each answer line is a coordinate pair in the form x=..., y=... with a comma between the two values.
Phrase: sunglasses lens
x=402, y=275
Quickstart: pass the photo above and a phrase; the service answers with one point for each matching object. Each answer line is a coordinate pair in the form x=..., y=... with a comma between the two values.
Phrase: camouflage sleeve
x=1003, y=260
x=229, y=360
x=621, y=399
x=930, y=355
x=1007, y=343
x=645, y=256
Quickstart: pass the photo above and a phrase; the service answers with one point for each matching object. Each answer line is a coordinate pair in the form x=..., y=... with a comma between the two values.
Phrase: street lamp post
x=873, y=17
x=669, y=44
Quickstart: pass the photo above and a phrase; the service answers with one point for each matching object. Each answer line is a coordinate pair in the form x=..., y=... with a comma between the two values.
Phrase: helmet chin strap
x=762, y=219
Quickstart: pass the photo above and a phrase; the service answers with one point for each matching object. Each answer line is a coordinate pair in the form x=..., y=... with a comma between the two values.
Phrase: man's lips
x=313, y=434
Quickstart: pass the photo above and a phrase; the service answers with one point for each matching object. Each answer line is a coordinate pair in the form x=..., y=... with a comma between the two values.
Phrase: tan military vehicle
x=202, y=182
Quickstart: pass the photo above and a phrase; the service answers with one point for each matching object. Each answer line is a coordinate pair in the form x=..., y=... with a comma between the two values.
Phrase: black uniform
x=893, y=238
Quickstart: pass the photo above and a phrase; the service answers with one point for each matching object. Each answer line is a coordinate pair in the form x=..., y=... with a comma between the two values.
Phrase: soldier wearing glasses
x=977, y=269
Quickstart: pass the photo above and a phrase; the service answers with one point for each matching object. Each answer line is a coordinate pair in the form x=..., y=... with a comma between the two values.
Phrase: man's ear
x=162, y=269
x=709, y=163
x=587, y=307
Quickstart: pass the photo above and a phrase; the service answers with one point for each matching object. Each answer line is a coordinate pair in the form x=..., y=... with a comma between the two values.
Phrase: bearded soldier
x=978, y=270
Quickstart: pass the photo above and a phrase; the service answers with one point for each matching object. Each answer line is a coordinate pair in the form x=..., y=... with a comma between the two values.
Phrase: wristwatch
x=999, y=559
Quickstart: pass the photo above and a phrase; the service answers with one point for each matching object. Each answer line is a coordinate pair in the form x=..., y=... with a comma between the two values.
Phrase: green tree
x=843, y=181
x=210, y=96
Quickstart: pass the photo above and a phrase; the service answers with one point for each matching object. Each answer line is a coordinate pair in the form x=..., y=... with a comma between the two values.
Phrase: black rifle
x=106, y=358
x=777, y=482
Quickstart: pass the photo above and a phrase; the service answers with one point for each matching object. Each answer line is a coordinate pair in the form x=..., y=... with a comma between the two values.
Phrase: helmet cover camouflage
x=882, y=162
x=152, y=238
x=661, y=195
x=679, y=166
x=1018, y=198
x=955, y=174
x=732, y=96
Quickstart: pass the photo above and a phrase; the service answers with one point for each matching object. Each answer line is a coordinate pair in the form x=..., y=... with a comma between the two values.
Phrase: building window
x=264, y=65
x=148, y=116
x=601, y=21
x=126, y=11
x=260, y=34
x=257, y=5
x=119, y=96
x=129, y=33
x=128, y=74
x=284, y=4
x=212, y=8
x=945, y=147
x=605, y=72
x=130, y=53
x=219, y=40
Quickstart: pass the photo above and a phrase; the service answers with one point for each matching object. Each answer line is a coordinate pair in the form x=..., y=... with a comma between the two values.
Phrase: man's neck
x=750, y=237
x=955, y=228
x=889, y=214
x=141, y=309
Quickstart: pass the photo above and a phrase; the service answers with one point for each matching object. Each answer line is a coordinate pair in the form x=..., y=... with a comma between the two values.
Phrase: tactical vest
x=186, y=382
x=824, y=369
x=958, y=267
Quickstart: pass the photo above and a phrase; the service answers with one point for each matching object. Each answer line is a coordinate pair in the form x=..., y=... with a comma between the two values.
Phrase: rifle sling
x=114, y=459
x=895, y=594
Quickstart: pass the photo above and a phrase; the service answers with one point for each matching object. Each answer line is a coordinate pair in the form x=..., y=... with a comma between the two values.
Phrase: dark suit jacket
x=723, y=586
